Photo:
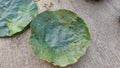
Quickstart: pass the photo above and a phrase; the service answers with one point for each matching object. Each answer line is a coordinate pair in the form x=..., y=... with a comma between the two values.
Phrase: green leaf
x=59, y=37
x=15, y=15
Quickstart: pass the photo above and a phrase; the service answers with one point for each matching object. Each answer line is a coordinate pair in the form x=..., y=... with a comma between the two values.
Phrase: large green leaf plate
x=15, y=15
x=59, y=37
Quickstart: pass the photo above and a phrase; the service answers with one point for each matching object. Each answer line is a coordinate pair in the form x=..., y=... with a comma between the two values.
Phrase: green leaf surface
x=59, y=37
x=15, y=15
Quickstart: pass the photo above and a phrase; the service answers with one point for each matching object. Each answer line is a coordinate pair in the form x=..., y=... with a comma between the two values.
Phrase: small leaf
x=15, y=15
x=59, y=37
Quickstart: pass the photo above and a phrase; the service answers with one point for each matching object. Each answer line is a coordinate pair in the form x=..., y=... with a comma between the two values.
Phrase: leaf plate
x=59, y=37
x=15, y=15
